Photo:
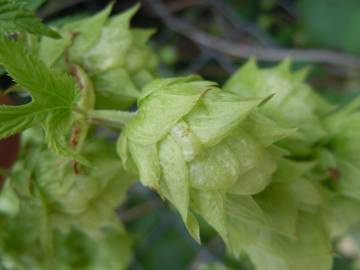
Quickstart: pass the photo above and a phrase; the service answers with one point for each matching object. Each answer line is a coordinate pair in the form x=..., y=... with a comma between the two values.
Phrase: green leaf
x=31, y=5
x=53, y=95
x=16, y=17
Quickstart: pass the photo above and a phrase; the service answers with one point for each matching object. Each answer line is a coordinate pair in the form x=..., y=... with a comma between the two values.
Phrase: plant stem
x=80, y=111
x=116, y=118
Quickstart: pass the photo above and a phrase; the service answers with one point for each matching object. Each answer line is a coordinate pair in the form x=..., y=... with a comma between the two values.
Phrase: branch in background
x=240, y=25
x=139, y=210
x=180, y=5
x=55, y=6
x=247, y=51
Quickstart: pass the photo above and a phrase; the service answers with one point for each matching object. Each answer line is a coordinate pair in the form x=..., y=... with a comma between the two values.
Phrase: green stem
x=80, y=111
x=116, y=118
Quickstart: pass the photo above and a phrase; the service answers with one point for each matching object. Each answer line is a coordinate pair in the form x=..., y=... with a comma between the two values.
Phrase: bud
x=116, y=58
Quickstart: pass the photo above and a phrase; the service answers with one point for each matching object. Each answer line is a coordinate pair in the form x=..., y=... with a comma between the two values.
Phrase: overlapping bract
x=252, y=160
x=68, y=216
x=327, y=136
x=115, y=57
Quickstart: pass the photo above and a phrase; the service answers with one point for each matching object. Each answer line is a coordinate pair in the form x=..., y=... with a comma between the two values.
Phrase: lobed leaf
x=54, y=95
x=16, y=16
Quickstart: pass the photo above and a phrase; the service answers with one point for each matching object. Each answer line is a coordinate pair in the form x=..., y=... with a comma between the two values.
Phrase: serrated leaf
x=15, y=17
x=53, y=96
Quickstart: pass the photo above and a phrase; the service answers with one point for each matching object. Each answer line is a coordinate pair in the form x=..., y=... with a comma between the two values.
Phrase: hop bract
x=294, y=103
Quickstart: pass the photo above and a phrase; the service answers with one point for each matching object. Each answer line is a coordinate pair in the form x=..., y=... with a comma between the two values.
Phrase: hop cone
x=294, y=103
x=325, y=137
x=210, y=152
x=68, y=217
x=115, y=57
x=321, y=167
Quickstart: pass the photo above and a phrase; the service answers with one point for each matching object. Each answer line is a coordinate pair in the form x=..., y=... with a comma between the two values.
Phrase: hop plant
x=212, y=153
x=265, y=161
x=321, y=155
x=109, y=52
x=340, y=150
x=294, y=104
x=45, y=203
x=339, y=168
x=325, y=136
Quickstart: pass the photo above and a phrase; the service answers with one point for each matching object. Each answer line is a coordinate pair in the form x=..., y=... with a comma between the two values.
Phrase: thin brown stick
x=139, y=210
x=245, y=51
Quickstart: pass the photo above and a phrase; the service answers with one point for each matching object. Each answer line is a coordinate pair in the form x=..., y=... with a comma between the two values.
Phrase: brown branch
x=246, y=51
x=139, y=210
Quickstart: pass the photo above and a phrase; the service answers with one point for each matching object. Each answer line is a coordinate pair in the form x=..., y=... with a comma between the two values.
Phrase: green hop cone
x=342, y=148
x=116, y=58
x=197, y=145
x=67, y=212
x=294, y=104
x=339, y=167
